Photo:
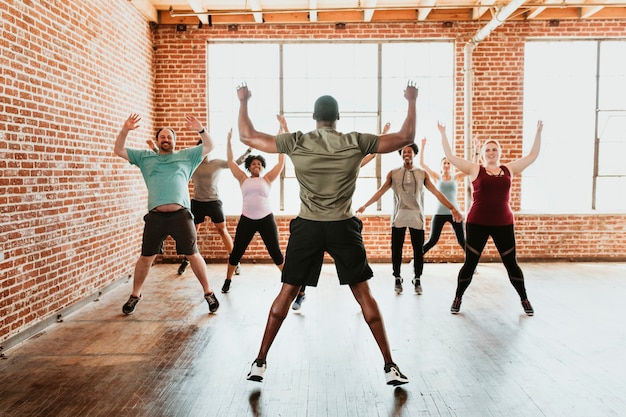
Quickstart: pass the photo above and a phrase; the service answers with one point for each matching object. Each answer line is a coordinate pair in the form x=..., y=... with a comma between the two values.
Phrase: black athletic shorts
x=211, y=209
x=309, y=240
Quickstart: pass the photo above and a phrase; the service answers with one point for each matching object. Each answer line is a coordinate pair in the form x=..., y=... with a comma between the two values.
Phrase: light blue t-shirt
x=167, y=176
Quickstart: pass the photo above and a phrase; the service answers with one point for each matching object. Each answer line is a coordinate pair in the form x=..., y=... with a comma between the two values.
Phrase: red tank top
x=491, y=205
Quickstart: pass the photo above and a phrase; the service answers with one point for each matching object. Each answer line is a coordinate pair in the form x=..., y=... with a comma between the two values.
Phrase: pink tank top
x=256, y=201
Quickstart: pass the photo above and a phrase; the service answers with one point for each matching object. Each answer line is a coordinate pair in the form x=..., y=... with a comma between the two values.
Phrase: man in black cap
x=326, y=164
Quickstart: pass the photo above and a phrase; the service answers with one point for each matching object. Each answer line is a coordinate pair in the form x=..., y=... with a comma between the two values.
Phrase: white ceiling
x=335, y=11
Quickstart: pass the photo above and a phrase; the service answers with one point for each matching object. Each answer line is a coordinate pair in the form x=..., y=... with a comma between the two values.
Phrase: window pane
x=612, y=95
x=610, y=194
x=551, y=69
x=431, y=66
x=612, y=144
x=348, y=72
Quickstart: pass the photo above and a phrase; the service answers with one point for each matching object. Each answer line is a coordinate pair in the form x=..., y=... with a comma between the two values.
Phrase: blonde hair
x=482, y=149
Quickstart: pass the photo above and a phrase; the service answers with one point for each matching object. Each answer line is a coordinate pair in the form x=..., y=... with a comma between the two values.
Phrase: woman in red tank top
x=490, y=213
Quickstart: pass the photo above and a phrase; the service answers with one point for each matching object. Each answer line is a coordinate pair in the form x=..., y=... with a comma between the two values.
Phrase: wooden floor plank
x=171, y=358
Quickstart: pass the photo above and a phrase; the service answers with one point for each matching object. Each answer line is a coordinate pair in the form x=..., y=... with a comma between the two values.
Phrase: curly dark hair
x=251, y=158
x=412, y=146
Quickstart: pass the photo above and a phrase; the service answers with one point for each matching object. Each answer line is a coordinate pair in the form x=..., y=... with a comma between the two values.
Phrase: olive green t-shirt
x=326, y=164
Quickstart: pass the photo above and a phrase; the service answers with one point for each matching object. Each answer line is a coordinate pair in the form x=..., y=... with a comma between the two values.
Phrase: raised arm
x=406, y=135
x=248, y=134
x=466, y=167
x=477, y=146
x=273, y=173
x=207, y=141
x=152, y=146
x=379, y=193
x=371, y=156
x=283, y=124
x=425, y=167
x=517, y=166
x=131, y=123
x=244, y=155
x=237, y=172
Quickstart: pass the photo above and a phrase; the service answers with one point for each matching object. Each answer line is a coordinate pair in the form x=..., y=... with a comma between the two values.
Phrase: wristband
x=201, y=131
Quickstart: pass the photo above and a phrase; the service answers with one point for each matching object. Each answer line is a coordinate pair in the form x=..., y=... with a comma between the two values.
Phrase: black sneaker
x=226, y=286
x=257, y=370
x=129, y=306
x=456, y=306
x=393, y=375
x=528, y=309
x=398, y=287
x=183, y=266
x=212, y=300
x=418, y=286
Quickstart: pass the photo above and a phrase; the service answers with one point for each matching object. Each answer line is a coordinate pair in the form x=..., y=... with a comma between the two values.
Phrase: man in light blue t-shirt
x=166, y=174
x=326, y=163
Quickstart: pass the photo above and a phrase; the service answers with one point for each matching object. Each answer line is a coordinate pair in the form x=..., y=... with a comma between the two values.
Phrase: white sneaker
x=297, y=303
x=398, y=286
x=238, y=269
x=418, y=287
x=257, y=370
x=393, y=375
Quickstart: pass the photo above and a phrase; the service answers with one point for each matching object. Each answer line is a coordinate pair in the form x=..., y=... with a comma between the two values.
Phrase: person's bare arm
x=379, y=193
x=456, y=214
x=467, y=167
x=195, y=125
x=237, y=172
x=248, y=134
x=368, y=158
x=517, y=166
x=244, y=155
x=131, y=123
x=272, y=174
x=423, y=164
x=406, y=135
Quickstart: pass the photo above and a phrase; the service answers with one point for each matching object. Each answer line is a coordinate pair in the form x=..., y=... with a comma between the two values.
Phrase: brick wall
x=71, y=72
x=497, y=109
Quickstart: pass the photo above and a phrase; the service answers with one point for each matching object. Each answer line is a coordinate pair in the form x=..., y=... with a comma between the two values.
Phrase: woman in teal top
x=446, y=182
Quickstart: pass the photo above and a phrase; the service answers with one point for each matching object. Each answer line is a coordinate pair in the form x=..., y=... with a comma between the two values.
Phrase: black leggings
x=439, y=220
x=397, y=242
x=246, y=228
x=504, y=239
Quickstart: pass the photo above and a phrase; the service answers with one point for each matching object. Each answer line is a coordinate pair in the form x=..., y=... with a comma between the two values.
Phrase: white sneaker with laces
x=257, y=370
x=393, y=375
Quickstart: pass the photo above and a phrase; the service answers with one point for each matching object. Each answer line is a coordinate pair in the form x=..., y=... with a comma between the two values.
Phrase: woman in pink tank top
x=256, y=213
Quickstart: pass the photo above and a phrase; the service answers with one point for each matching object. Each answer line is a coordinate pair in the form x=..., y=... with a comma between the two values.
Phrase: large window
x=577, y=88
x=367, y=79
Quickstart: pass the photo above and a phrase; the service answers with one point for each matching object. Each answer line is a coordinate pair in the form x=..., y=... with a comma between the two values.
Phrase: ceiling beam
x=256, y=8
x=196, y=6
x=313, y=10
x=368, y=13
x=423, y=12
x=586, y=12
x=147, y=9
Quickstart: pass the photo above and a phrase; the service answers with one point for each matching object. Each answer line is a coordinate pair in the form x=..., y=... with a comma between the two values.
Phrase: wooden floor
x=171, y=358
